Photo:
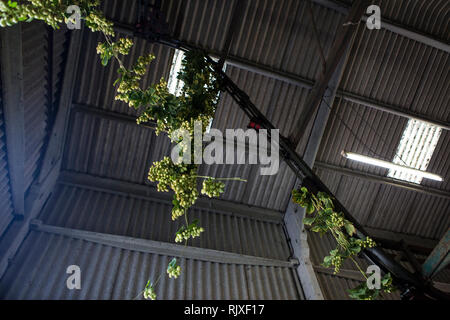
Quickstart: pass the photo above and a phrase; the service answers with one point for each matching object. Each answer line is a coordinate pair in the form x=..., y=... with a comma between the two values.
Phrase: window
x=415, y=149
x=174, y=84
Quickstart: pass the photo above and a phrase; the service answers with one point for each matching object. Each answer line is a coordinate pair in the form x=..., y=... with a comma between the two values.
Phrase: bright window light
x=390, y=165
x=415, y=150
x=174, y=84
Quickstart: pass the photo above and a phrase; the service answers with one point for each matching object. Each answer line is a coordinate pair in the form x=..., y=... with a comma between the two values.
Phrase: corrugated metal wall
x=39, y=272
x=276, y=34
x=6, y=206
x=90, y=210
x=34, y=95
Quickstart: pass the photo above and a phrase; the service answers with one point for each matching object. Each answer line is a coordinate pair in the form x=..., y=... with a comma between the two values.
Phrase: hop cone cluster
x=178, y=177
x=192, y=231
x=149, y=292
x=174, y=271
x=212, y=188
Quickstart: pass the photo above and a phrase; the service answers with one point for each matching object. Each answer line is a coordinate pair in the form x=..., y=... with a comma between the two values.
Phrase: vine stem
x=187, y=224
x=157, y=280
x=153, y=285
x=223, y=179
x=359, y=268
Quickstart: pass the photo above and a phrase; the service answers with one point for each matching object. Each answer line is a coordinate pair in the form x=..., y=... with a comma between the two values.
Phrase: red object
x=254, y=125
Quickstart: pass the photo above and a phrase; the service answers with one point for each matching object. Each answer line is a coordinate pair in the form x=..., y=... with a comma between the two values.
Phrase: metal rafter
x=344, y=36
x=14, y=114
x=385, y=180
x=391, y=26
x=42, y=187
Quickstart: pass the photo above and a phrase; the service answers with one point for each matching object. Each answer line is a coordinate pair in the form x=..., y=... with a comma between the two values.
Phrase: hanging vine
x=197, y=102
x=323, y=218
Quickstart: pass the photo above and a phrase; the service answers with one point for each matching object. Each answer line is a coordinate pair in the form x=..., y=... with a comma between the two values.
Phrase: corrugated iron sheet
x=39, y=272
x=416, y=15
x=6, y=212
x=34, y=95
x=112, y=149
x=382, y=66
x=84, y=209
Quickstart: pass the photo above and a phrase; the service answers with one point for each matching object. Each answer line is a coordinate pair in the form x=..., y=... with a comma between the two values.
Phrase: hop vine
x=197, y=102
x=191, y=231
x=212, y=188
x=173, y=270
x=327, y=220
x=149, y=291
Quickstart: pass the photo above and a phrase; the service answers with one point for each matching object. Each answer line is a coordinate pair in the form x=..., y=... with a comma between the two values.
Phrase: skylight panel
x=415, y=149
x=174, y=84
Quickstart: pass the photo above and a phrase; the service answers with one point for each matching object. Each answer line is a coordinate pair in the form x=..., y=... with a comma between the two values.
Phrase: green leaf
x=310, y=208
x=316, y=229
x=3, y=7
x=327, y=261
x=173, y=262
x=355, y=249
x=309, y=221
x=105, y=61
x=12, y=4
x=350, y=228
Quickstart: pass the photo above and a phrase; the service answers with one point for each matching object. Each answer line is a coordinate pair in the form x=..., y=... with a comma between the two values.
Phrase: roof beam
x=55, y=147
x=148, y=192
x=43, y=186
x=439, y=257
x=18, y=230
x=239, y=9
x=357, y=276
x=347, y=96
x=14, y=114
x=344, y=38
x=163, y=248
x=377, y=105
x=391, y=26
x=385, y=180
x=416, y=243
x=293, y=217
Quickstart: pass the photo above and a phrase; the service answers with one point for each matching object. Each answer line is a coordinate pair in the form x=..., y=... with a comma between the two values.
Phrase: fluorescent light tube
x=390, y=165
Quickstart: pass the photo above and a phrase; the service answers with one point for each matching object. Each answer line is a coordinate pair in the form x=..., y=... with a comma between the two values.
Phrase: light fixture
x=390, y=165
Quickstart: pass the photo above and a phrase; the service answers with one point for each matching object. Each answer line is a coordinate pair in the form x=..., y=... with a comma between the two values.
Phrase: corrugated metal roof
x=107, y=148
x=400, y=72
x=34, y=95
x=84, y=209
x=416, y=14
x=39, y=272
x=382, y=66
x=6, y=213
